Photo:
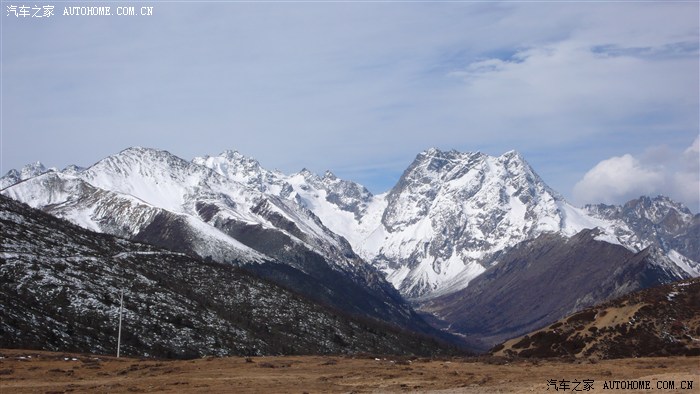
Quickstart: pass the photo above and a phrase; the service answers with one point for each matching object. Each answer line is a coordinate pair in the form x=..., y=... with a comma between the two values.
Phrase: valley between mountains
x=220, y=256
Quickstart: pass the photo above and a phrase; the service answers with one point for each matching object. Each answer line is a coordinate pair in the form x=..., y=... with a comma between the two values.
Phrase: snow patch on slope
x=692, y=268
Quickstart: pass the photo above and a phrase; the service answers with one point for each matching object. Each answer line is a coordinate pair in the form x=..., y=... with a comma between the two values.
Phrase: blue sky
x=601, y=98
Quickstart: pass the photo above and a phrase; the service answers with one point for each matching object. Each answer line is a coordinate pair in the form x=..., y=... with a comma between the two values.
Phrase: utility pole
x=119, y=335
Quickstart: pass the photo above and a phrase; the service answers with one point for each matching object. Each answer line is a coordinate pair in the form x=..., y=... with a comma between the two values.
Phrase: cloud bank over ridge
x=660, y=171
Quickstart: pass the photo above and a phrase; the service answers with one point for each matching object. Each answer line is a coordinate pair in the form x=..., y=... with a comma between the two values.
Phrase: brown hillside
x=659, y=321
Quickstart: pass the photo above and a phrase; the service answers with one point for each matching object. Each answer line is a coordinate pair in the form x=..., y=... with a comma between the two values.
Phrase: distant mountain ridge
x=659, y=221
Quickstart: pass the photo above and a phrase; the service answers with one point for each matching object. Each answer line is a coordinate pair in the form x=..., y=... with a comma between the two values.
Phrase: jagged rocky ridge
x=658, y=221
x=60, y=286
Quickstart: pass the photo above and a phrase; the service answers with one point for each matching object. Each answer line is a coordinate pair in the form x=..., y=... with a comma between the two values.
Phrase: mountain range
x=456, y=234
x=152, y=196
x=61, y=286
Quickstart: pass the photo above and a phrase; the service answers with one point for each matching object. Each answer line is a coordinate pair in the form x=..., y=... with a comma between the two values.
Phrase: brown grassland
x=24, y=371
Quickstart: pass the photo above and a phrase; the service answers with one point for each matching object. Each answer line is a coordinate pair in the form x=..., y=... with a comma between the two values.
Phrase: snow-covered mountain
x=339, y=204
x=153, y=196
x=29, y=171
x=659, y=221
x=247, y=171
x=60, y=285
x=452, y=214
x=131, y=187
x=449, y=217
x=122, y=195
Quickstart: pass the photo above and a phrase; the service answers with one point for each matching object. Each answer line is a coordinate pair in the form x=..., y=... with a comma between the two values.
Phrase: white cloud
x=687, y=179
x=615, y=178
x=693, y=151
x=621, y=178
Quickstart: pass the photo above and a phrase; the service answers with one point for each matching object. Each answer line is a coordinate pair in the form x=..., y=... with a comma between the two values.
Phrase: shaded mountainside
x=540, y=281
x=659, y=321
x=152, y=196
x=60, y=287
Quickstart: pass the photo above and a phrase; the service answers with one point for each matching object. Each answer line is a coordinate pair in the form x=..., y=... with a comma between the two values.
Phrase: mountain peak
x=145, y=157
x=231, y=154
x=245, y=170
x=329, y=175
x=307, y=174
x=234, y=155
x=12, y=173
x=472, y=205
x=512, y=154
x=431, y=152
x=142, y=154
x=436, y=152
x=28, y=171
x=37, y=164
x=656, y=207
x=454, y=155
x=136, y=150
x=35, y=168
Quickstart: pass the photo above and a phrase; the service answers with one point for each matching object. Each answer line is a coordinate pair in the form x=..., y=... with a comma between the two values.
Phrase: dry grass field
x=23, y=371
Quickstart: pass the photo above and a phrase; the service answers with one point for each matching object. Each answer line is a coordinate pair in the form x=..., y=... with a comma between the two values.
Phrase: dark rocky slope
x=542, y=280
x=60, y=288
